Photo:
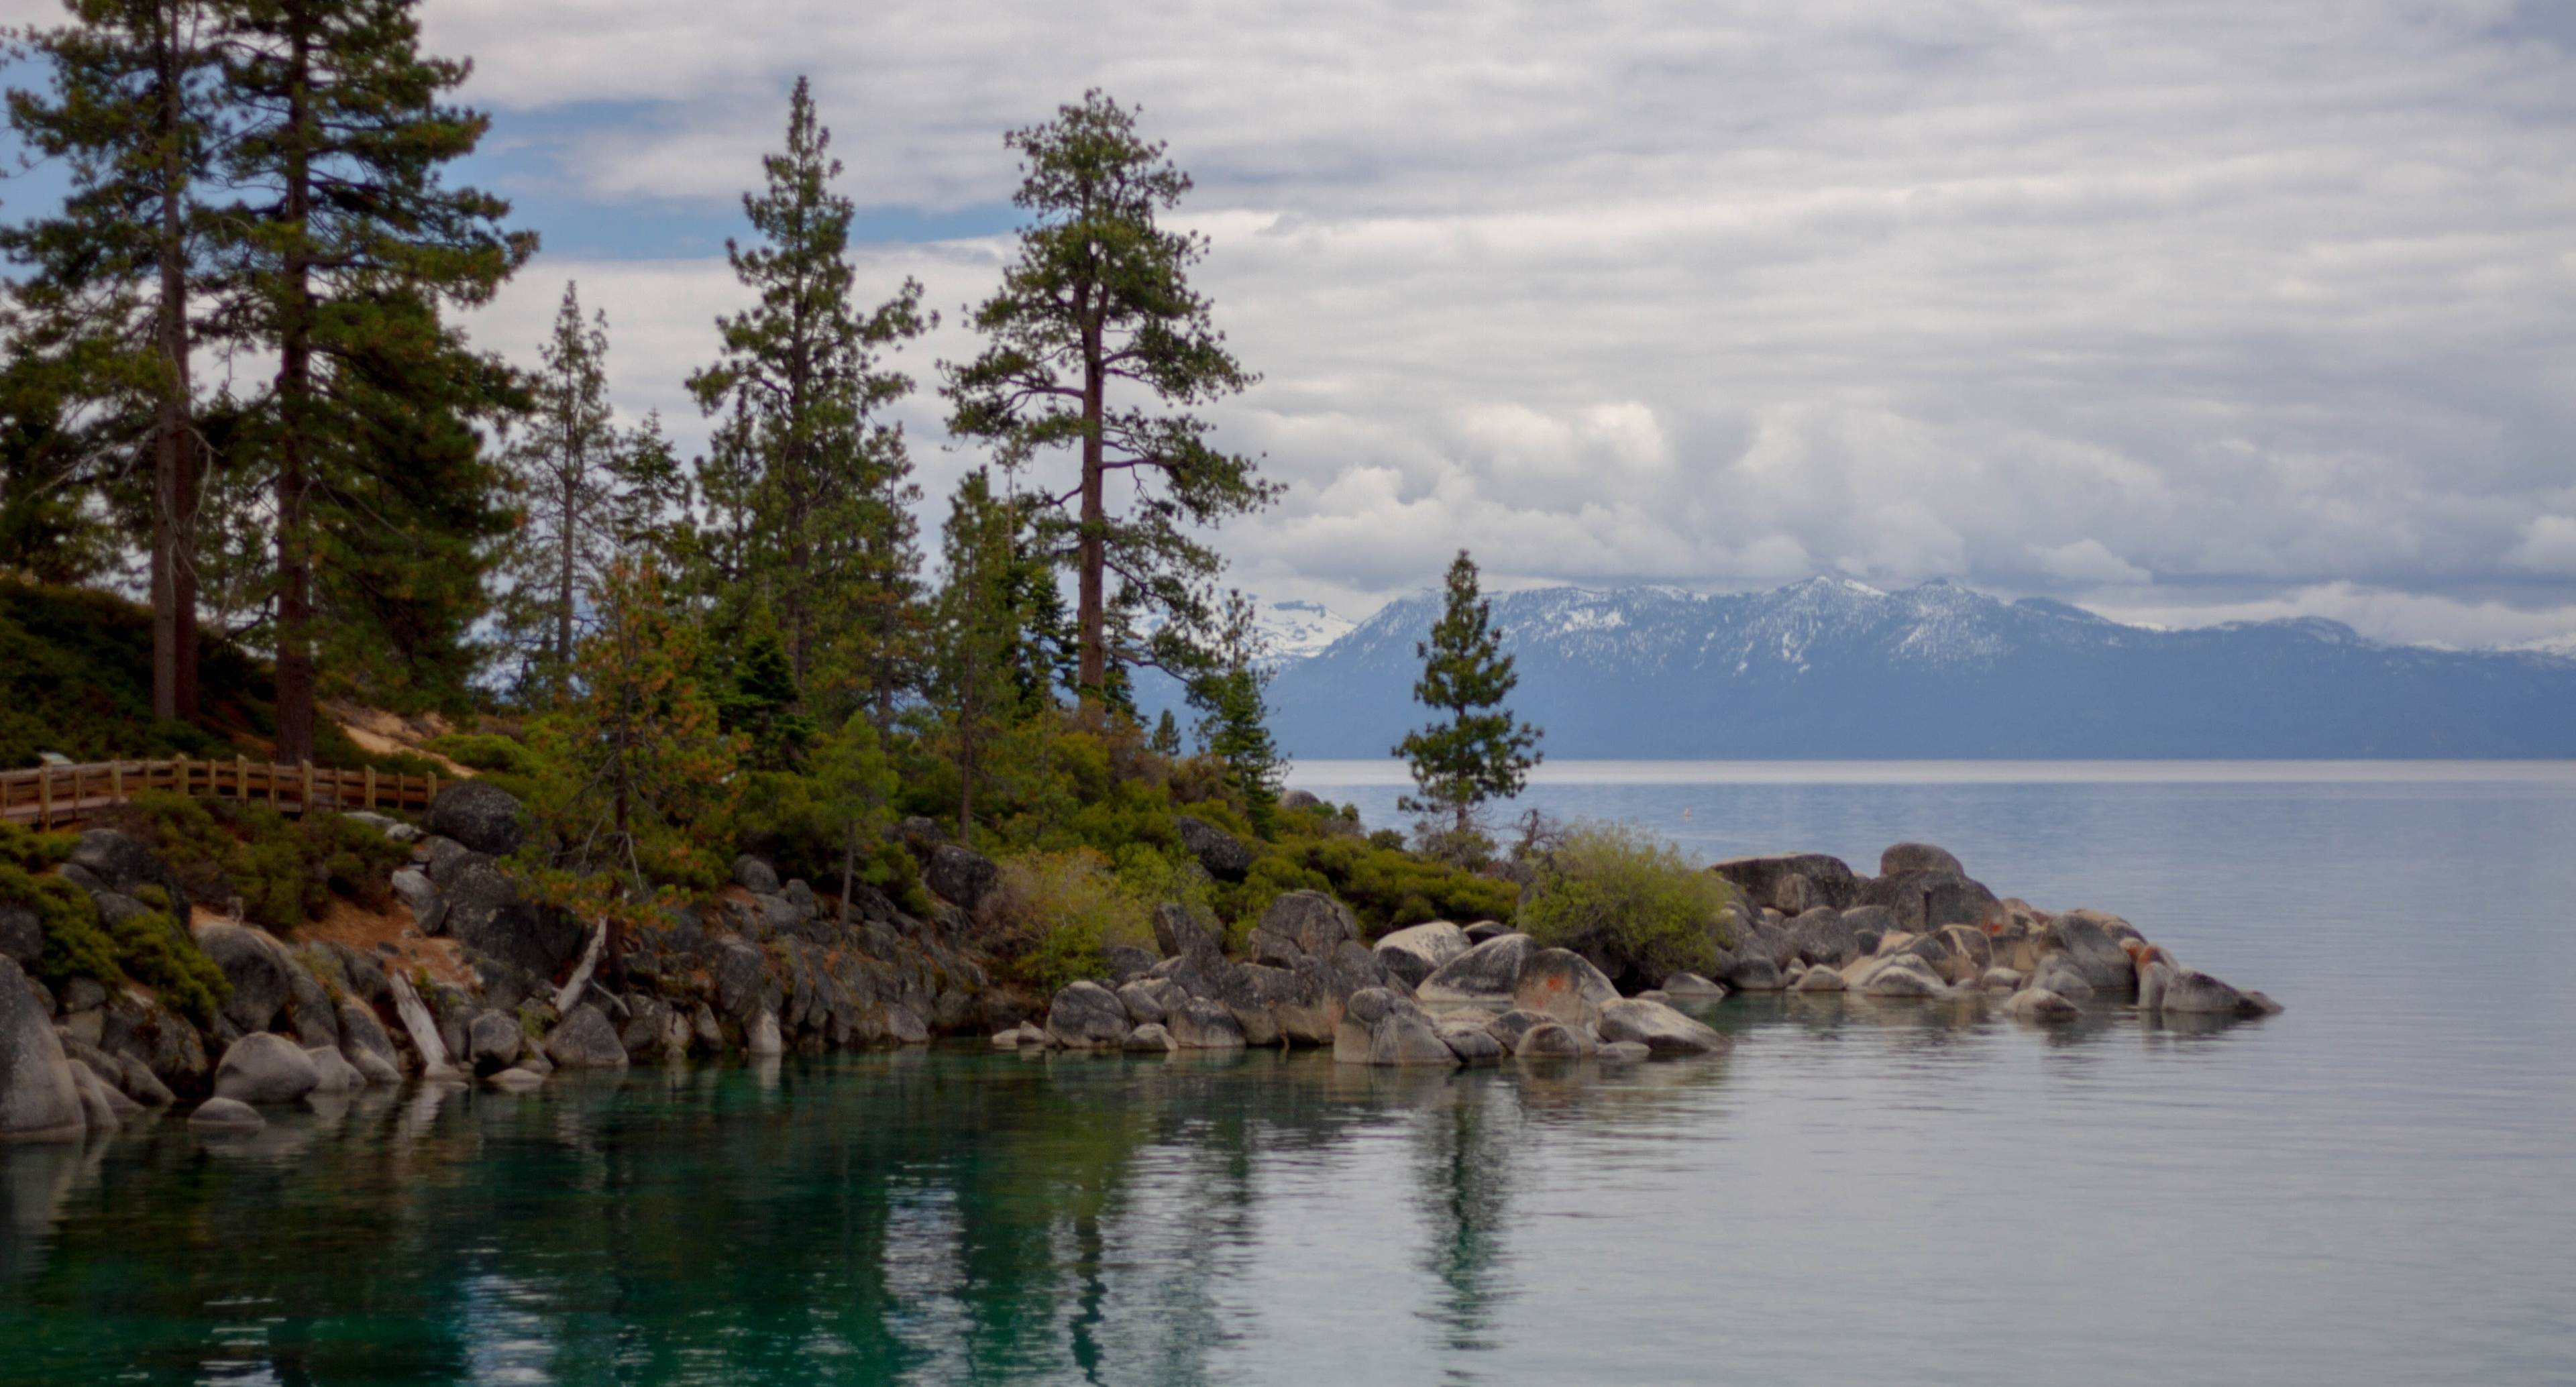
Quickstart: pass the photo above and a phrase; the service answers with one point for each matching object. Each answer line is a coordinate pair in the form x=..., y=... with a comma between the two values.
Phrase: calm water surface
x=2377, y=1187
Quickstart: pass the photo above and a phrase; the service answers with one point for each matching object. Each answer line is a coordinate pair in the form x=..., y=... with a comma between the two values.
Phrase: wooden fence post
x=178, y=773
x=45, y=799
x=308, y=788
x=371, y=787
x=430, y=794
x=241, y=777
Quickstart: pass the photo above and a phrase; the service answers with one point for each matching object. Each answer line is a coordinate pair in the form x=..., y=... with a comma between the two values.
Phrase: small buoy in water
x=1686, y=813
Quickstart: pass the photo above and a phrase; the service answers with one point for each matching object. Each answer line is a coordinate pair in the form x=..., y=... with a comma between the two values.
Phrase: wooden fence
x=51, y=796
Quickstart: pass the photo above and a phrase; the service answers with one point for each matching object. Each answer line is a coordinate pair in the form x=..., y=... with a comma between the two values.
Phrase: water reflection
x=919, y=1217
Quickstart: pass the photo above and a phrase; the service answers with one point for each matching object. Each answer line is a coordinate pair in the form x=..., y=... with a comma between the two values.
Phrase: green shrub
x=1626, y=900
x=154, y=948
x=1055, y=913
x=283, y=871
x=485, y=751
x=151, y=948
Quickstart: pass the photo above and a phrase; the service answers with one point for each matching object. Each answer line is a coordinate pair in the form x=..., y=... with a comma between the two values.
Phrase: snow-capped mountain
x=1833, y=668
x=1295, y=629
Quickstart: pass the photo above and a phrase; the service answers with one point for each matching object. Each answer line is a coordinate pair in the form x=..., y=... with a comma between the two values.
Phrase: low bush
x=151, y=948
x=1054, y=914
x=283, y=871
x=1628, y=901
x=484, y=751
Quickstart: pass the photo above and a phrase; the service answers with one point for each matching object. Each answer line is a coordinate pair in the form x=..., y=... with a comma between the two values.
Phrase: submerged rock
x=265, y=1069
x=2041, y=1006
x=227, y=1113
x=1658, y=1027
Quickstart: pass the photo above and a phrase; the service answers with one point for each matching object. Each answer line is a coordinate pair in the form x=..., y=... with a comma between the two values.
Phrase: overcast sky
x=2182, y=311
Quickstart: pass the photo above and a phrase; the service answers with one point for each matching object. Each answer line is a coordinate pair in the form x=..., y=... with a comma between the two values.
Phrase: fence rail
x=52, y=796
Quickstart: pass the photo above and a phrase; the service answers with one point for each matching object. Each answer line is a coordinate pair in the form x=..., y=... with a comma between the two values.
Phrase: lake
x=2378, y=1186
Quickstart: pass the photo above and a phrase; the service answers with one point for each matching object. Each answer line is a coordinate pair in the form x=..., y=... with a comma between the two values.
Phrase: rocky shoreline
x=771, y=966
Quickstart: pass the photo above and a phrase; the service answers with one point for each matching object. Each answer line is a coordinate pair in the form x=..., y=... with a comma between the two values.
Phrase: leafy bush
x=151, y=948
x=1054, y=913
x=485, y=751
x=1626, y=900
x=284, y=871
x=1385, y=886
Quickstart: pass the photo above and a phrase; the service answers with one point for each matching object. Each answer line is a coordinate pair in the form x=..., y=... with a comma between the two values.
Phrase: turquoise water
x=2372, y=1188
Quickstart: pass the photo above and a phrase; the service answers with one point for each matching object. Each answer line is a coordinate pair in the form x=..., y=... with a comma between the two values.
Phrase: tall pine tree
x=346, y=248
x=1095, y=343
x=1475, y=752
x=589, y=491
x=1234, y=722
x=977, y=681
x=134, y=115
x=825, y=482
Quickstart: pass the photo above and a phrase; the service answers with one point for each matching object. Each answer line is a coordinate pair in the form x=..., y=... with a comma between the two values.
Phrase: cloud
x=2044, y=297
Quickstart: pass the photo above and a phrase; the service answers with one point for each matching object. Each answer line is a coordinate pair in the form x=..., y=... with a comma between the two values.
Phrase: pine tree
x=1476, y=753
x=855, y=782
x=637, y=788
x=825, y=484
x=760, y=701
x=589, y=492
x=977, y=677
x=343, y=257
x=133, y=115
x=1098, y=300
x=1166, y=740
x=1234, y=725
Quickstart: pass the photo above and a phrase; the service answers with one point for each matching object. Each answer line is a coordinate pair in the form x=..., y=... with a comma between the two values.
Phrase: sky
x=2184, y=312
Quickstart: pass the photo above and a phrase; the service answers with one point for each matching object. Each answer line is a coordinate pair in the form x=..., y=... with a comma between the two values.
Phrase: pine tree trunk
x=295, y=673
x=174, y=584
x=563, y=590
x=1091, y=610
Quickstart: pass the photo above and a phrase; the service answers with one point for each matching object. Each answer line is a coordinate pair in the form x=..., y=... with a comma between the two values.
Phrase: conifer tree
x=1475, y=752
x=977, y=674
x=1166, y=740
x=637, y=791
x=589, y=491
x=343, y=254
x=760, y=701
x=1097, y=344
x=824, y=482
x=855, y=782
x=133, y=115
x=1234, y=726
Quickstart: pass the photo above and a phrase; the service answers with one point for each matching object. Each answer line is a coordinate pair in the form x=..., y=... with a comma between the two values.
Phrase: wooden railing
x=49, y=796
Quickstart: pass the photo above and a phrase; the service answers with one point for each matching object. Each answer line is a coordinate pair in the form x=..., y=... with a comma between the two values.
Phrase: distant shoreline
x=1322, y=771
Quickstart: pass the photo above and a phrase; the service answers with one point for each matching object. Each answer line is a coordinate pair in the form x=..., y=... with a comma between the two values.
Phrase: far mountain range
x=1834, y=669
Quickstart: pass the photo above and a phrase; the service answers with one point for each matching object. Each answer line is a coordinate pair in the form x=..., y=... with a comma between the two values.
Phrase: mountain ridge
x=1830, y=668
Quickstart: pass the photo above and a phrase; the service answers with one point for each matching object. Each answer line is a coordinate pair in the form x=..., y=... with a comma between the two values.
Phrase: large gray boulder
x=1203, y=1024
x=1150, y=1000
x=419, y=894
x=962, y=877
x=333, y=1071
x=755, y=876
x=1657, y=1027
x=125, y=866
x=39, y=1098
x=1924, y=901
x=22, y=935
x=264, y=1069
x=1469, y=1041
x=1087, y=1016
x=1753, y=973
x=1302, y=924
x=1486, y=972
x=585, y=1040
x=1150, y=1038
x=493, y=1041
x=2089, y=943
x=487, y=913
x=1226, y=857
x=1416, y=952
x=2191, y=992
x=1791, y=883
x=1407, y=1039
x=1554, y=1040
x=1905, y=975
x=1917, y=857
x=2059, y=974
x=478, y=814
x=1822, y=936
x=1693, y=987
x=1355, y=1033
x=1820, y=979
x=258, y=967
x=1178, y=932
x=1563, y=984
x=161, y=1040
